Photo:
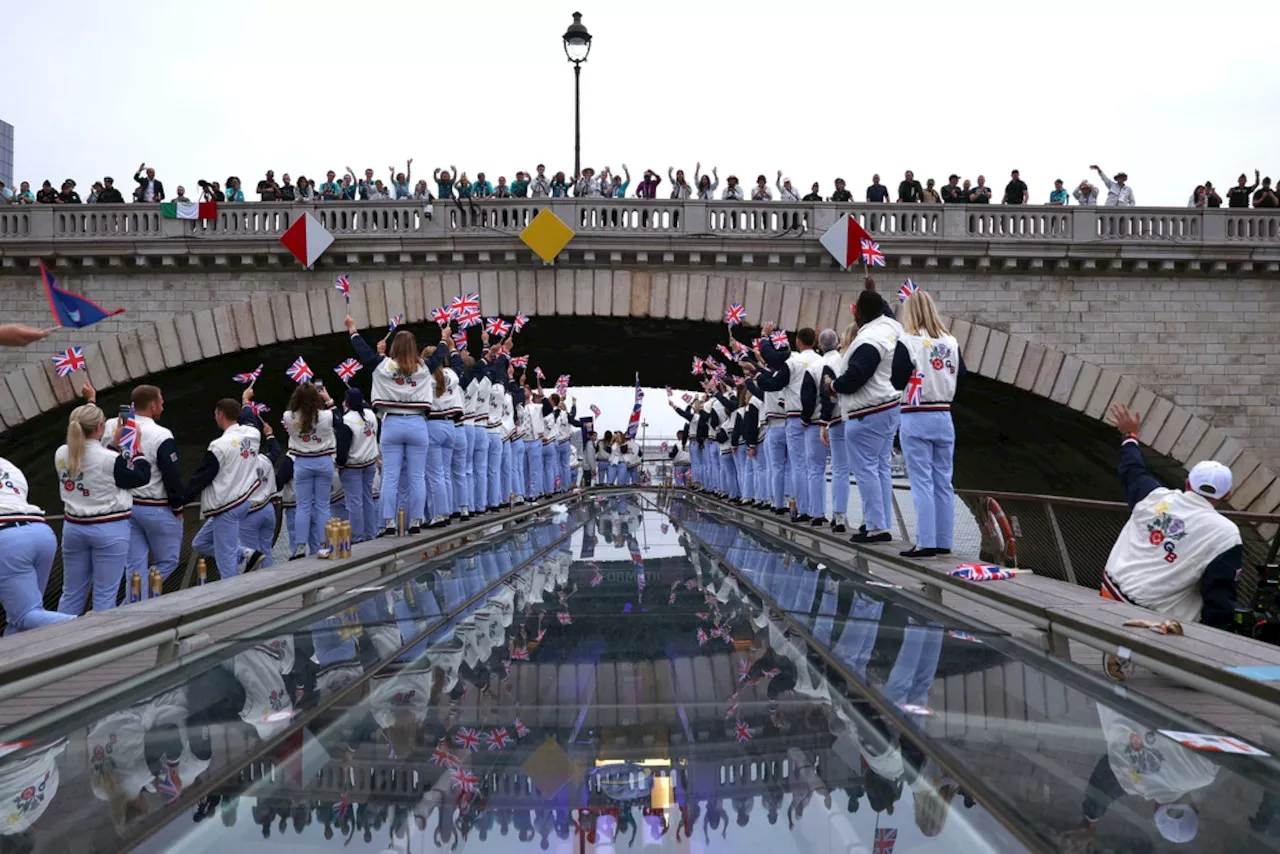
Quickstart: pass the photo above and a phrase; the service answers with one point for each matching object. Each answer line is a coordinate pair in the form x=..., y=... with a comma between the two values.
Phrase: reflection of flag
x=744, y=669
x=743, y=731
x=634, y=547
x=565, y=619
x=72, y=359
x=702, y=637
x=249, y=378
x=465, y=780
x=299, y=372
x=735, y=314
x=302, y=757
x=981, y=572
x=72, y=309
x=597, y=579
x=520, y=653
x=168, y=784
x=521, y=729
x=442, y=756
x=885, y=839
x=498, y=738
x=467, y=738
x=342, y=810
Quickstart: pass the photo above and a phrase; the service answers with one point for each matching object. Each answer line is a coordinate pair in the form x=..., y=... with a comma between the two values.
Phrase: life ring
x=1000, y=529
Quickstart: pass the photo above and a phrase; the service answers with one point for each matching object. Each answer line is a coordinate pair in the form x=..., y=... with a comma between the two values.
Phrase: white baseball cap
x=1211, y=479
x=1177, y=822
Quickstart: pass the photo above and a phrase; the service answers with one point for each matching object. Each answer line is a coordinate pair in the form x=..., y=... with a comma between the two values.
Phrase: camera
x=202, y=183
x=1262, y=620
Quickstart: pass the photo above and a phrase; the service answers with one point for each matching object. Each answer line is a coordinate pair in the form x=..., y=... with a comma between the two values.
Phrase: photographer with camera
x=210, y=192
x=1176, y=555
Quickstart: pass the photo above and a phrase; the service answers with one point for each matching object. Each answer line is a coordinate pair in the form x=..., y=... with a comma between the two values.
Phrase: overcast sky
x=1173, y=93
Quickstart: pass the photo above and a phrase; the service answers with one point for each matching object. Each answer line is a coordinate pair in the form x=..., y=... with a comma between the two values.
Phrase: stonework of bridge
x=1169, y=310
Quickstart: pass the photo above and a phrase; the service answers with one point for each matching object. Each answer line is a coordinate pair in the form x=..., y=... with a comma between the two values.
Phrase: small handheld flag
x=669, y=391
x=595, y=410
x=562, y=384
x=687, y=398
x=465, y=305
x=441, y=316
x=908, y=288
x=520, y=322
x=735, y=314
x=259, y=408
x=347, y=370
x=70, y=359
x=131, y=438
x=169, y=784
x=537, y=372
x=468, y=319
x=395, y=323
x=250, y=378
x=779, y=340
x=871, y=253
x=299, y=371
x=72, y=309
x=497, y=327
x=698, y=367
x=343, y=284
x=460, y=339
x=519, y=361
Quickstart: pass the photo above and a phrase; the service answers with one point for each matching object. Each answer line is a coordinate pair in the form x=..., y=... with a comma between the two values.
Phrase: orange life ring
x=1001, y=528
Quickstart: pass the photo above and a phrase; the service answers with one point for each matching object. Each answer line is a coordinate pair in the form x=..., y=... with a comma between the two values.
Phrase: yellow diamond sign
x=549, y=766
x=547, y=235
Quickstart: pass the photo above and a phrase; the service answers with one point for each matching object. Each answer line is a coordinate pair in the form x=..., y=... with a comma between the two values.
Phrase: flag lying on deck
x=981, y=572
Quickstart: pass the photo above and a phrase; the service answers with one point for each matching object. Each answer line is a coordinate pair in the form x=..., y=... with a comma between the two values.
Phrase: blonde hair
x=932, y=808
x=919, y=314
x=404, y=352
x=850, y=332
x=84, y=421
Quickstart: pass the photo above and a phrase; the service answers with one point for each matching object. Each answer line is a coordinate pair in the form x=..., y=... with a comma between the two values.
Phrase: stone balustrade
x=658, y=232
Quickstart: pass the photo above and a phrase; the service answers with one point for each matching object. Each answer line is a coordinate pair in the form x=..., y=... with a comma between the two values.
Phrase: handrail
x=243, y=595
x=1092, y=503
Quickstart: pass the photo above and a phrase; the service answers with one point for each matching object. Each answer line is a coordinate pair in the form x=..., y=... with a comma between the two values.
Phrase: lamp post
x=577, y=44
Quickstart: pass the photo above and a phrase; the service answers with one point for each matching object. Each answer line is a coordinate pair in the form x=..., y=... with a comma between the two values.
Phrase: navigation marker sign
x=547, y=235
x=844, y=241
x=307, y=240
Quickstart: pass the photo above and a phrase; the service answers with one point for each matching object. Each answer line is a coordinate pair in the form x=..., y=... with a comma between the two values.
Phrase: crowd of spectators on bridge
x=1113, y=190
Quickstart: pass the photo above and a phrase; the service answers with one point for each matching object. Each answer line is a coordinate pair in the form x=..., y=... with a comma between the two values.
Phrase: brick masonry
x=1197, y=357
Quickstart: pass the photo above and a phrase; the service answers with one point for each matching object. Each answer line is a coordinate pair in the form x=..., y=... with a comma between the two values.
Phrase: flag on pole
x=70, y=359
x=871, y=253
x=394, y=324
x=249, y=378
x=519, y=361
x=307, y=240
x=908, y=288
x=698, y=367
x=497, y=327
x=188, y=210
x=347, y=370
x=595, y=410
x=299, y=371
x=468, y=319
x=259, y=408
x=72, y=309
x=633, y=423
x=130, y=437
x=441, y=316
x=687, y=398
x=343, y=284
x=885, y=839
x=520, y=322
x=537, y=372
x=562, y=384
x=735, y=314
x=465, y=305
x=779, y=340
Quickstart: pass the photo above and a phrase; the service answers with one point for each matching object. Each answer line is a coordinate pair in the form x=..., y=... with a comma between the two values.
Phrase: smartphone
x=126, y=412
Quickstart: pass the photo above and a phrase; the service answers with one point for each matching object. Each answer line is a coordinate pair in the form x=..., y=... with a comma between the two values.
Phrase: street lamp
x=577, y=44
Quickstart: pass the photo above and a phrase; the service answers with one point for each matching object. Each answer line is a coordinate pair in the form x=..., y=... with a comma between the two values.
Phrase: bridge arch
x=175, y=340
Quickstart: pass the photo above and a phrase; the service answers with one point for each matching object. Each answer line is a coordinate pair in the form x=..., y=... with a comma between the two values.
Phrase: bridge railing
x=647, y=217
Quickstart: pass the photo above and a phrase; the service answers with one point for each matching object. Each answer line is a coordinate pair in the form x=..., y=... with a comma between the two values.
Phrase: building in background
x=6, y=153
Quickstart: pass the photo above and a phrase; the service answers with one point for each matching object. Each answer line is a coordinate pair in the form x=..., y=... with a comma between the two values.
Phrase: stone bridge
x=1169, y=310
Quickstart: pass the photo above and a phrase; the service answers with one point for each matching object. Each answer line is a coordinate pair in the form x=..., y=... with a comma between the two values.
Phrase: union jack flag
x=871, y=253
x=908, y=288
x=342, y=810
x=744, y=668
x=520, y=653
x=595, y=410
x=72, y=359
x=671, y=600
x=981, y=572
x=687, y=398
x=470, y=318
x=395, y=323
x=460, y=339
x=520, y=322
x=565, y=619
x=497, y=327
x=299, y=372
x=779, y=340
x=537, y=372
x=347, y=369
x=519, y=361
x=698, y=367
x=168, y=784
x=441, y=316
x=735, y=314
x=732, y=711
x=964, y=636
x=743, y=731
x=467, y=738
x=520, y=728
x=633, y=423
x=702, y=637
x=130, y=438
x=913, y=388
x=663, y=446
x=465, y=305
x=597, y=579
x=498, y=738
x=442, y=756
x=246, y=379
x=885, y=839
x=259, y=408
x=343, y=284
x=465, y=780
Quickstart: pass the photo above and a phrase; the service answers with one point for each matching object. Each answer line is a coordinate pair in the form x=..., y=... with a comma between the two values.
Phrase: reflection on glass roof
x=625, y=674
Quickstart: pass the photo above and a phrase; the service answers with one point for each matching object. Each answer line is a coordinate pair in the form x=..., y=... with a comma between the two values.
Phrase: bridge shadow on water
x=1007, y=439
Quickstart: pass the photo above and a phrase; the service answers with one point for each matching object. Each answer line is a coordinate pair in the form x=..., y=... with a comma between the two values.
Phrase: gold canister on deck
x=346, y=538
x=400, y=528
x=202, y=571
x=156, y=581
x=330, y=539
x=135, y=587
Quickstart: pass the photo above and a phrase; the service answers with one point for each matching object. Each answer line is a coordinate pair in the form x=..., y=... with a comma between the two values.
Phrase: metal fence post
x=1062, y=543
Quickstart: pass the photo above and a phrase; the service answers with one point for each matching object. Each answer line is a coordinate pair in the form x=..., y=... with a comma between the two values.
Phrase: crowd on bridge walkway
x=1113, y=190
x=441, y=435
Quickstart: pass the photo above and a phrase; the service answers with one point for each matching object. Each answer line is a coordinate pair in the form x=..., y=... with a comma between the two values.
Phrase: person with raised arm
x=224, y=484
x=532, y=417
x=444, y=179
x=475, y=402
x=401, y=393
x=704, y=183
x=496, y=362
x=95, y=494
x=258, y=529
x=27, y=548
x=680, y=189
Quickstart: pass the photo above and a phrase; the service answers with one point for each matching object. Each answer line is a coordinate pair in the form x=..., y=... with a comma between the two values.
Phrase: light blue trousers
x=154, y=530
x=494, y=444
x=775, y=443
x=26, y=554
x=839, y=469
x=461, y=464
x=518, y=463
x=313, y=483
x=682, y=475
x=729, y=474
x=562, y=464
x=257, y=533
x=404, y=449
x=549, y=471
x=479, y=445
x=508, y=487
x=363, y=512
x=440, y=435
x=797, y=465
x=220, y=537
x=743, y=465
x=93, y=556
x=533, y=467
x=928, y=444
x=816, y=474
x=916, y=666
x=869, y=440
